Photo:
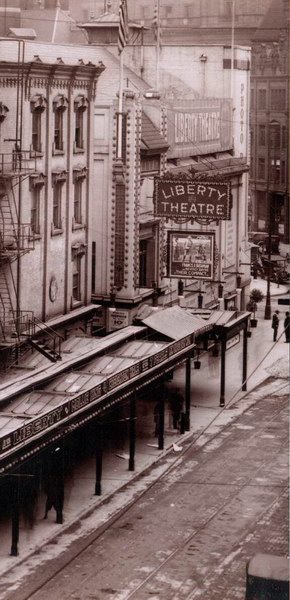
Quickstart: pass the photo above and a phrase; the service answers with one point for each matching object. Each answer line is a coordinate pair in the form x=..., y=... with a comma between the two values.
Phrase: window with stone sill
x=35, y=211
x=60, y=104
x=57, y=206
x=262, y=99
x=275, y=136
x=261, y=168
x=275, y=167
x=37, y=107
x=76, y=279
x=79, y=186
x=36, y=183
x=262, y=135
x=278, y=99
x=36, y=145
x=80, y=107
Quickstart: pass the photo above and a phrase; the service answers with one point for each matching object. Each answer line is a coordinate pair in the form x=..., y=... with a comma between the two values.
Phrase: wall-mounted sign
x=199, y=127
x=118, y=319
x=188, y=200
x=190, y=255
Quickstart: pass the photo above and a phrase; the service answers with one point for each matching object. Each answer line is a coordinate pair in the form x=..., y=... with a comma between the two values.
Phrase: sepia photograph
x=144, y=299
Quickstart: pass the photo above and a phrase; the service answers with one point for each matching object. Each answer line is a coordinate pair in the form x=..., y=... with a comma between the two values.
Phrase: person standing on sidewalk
x=275, y=324
x=287, y=327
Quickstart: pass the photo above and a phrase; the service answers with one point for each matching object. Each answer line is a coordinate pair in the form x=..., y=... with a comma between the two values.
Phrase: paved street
x=191, y=534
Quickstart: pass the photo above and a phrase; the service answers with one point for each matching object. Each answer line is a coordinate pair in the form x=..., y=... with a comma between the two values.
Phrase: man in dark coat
x=275, y=324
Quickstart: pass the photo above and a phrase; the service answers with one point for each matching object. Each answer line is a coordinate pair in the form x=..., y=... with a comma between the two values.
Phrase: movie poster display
x=191, y=255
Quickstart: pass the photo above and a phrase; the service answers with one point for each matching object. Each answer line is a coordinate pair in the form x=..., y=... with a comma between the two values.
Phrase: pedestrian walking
x=275, y=324
x=287, y=327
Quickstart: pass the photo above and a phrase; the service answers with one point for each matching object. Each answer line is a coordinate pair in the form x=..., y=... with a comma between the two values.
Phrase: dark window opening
x=76, y=281
x=56, y=209
x=36, y=129
x=35, y=208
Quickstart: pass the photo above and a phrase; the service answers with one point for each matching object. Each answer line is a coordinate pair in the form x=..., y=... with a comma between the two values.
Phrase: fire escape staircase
x=49, y=344
x=16, y=239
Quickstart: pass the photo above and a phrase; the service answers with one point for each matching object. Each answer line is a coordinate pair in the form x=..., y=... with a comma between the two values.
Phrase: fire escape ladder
x=7, y=320
x=49, y=344
x=9, y=233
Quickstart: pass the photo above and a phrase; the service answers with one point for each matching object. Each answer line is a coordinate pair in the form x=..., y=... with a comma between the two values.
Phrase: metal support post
x=15, y=517
x=245, y=353
x=161, y=406
x=187, y=393
x=223, y=373
x=99, y=458
x=132, y=434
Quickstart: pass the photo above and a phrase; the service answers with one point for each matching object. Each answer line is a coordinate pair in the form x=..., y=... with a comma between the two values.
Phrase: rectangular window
x=35, y=206
x=283, y=172
x=275, y=138
x=36, y=130
x=262, y=99
x=275, y=170
x=284, y=136
x=56, y=211
x=93, y=267
x=79, y=127
x=262, y=135
x=58, y=129
x=78, y=191
x=261, y=168
x=278, y=99
x=76, y=281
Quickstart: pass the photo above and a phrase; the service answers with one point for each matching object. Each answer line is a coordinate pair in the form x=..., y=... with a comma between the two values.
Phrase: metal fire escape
x=16, y=239
x=18, y=328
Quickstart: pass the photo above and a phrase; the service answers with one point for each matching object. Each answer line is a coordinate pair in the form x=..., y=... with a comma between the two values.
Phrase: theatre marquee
x=185, y=200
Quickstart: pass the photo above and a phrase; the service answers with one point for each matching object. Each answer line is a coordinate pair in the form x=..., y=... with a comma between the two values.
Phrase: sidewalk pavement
x=46, y=538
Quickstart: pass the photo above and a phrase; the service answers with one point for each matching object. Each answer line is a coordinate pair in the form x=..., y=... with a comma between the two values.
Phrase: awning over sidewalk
x=56, y=403
x=175, y=322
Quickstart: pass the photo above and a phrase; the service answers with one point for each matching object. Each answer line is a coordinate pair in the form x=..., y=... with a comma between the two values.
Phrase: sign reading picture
x=191, y=255
x=185, y=199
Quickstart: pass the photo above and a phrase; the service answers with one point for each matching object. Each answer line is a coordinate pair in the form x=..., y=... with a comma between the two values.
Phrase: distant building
x=207, y=21
x=269, y=183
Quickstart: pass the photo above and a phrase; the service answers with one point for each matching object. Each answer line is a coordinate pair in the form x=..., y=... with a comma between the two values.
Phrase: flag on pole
x=156, y=23
x=123, y=26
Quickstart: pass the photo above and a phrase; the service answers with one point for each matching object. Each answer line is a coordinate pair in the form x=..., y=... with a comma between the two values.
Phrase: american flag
x=123, y=26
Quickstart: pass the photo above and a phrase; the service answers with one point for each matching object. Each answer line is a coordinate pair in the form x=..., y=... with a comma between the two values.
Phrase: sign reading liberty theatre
x=190, y=200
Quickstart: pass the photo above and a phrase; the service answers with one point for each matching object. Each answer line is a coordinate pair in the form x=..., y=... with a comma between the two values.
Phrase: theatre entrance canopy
x=49, y=405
